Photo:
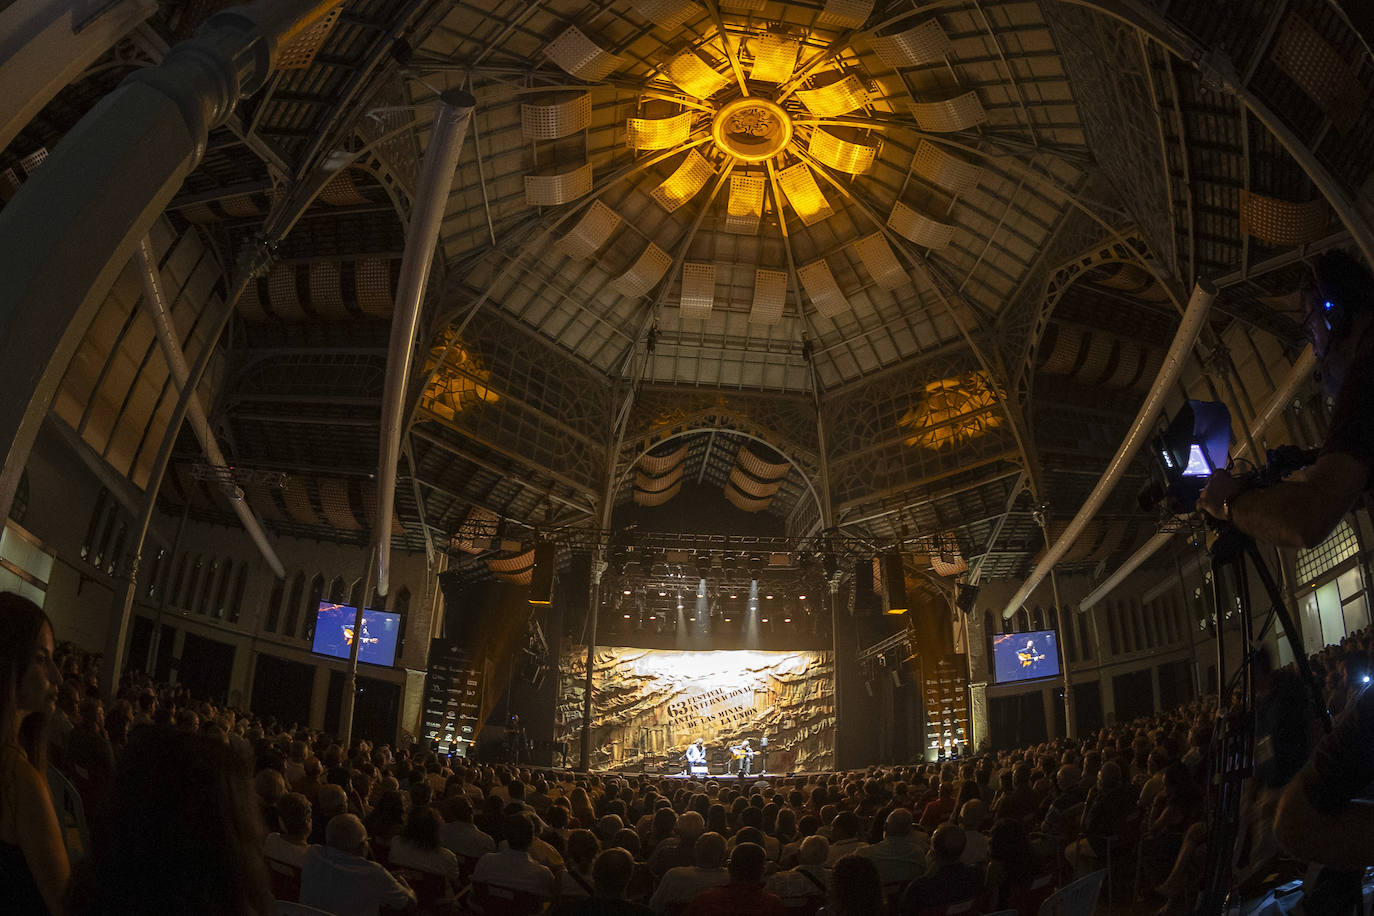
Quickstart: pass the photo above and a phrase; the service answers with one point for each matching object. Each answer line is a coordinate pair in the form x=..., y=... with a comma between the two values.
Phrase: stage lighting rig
x=703, y=562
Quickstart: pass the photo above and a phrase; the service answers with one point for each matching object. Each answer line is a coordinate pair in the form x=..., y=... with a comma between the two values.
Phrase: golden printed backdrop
x=649, y=704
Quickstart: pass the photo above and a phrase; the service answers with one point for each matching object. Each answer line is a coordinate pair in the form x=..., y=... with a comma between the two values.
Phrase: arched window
x=293, y=604
x=1069, y=638
x=377, y=602
x=116, y=548
x=156, y=574
x=401, y=606
x=1022, y=620
x=236, y=599
x=355, y=593
x=1114, y=627
x=337, y=593
x=207, y=587
x=219, y=607
x=312, y=604
x=1037, y=618
x=274, y=601
x=1085, y=634
x=178, y=580
x=88, y=550
x=188, y=597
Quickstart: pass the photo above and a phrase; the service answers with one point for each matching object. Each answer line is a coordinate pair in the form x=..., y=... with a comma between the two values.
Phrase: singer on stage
x=696, y=758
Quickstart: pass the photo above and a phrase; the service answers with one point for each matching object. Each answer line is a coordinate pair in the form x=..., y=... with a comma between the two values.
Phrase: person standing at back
x=33, y=860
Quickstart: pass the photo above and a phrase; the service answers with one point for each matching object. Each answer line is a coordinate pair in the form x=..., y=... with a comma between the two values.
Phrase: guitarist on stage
x=741, y=756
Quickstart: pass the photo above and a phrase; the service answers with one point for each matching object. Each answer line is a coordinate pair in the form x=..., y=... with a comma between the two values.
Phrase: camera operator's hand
x=1221, y=487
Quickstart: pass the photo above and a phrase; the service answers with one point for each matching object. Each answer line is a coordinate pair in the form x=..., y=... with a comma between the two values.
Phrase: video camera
x=1194, y=445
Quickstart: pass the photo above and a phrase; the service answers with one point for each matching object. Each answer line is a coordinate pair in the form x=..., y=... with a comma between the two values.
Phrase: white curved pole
x=1198, y=306
x=431, y=199
x=155, y=304
x=1301, y=371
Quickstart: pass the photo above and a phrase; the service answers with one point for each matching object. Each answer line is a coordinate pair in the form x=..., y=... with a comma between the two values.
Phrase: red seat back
x=495, y=900
x=285, y=879
x=429, y=887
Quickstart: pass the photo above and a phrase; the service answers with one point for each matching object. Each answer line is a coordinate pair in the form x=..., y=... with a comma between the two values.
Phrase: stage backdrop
x=650, y=704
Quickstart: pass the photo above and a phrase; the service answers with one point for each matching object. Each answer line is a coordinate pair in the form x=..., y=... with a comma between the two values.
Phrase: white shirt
x=975, y=848
x=280, y=849
x=898, y=859
x=841, y=849
x=514, y=870
x=681, y=884
x=464, y=839
x=341, y=883
x=438, y=861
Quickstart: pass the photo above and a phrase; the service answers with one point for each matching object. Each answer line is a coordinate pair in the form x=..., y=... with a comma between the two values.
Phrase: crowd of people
x=197, y=808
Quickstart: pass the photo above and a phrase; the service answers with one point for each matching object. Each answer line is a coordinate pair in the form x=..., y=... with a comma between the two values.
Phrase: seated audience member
x=679, y=850
x=897, y=857
x=810, y=878
x=420, y=846
x=1011, y=864
x=33, y=858
x=270, y=787
x=461, y=836
x=1063, y=813
x=180, y=833
x=611, y=874
x=576, y=878
x=973, y=817
x=941, y=809
x=856, y=888
x=293, y=817
x=743, y=894
x=331, y=801
x=1103, y=813
x=682, y=883
x=844, y=836
x=512, y=867
x=387, y=819
x=948, y=880
x=339, y=879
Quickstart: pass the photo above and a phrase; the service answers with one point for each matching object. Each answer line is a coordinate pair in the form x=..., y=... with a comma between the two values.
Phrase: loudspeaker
x=866, y=586
x=894, y=583
x=965, y=596
x=541, y=579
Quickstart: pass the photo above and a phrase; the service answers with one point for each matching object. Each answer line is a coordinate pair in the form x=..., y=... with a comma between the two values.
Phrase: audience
x=744, y=893
x=180, y=832
x=897, y=858
x=809, y=879
x=611, y=874
x=33, y=858
x=947, y=881
x=293, y=817
x=339, y=879
x=511, y=867
x=575, y=880
x=856, y=889
x=684, y=882
x=420, y=846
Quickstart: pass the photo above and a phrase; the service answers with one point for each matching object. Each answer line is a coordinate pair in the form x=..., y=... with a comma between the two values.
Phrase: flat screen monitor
x=334, y=633
x=1025, y=656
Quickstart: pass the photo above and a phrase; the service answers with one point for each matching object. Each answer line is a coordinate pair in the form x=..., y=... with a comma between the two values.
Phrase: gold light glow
x=684, y=183
x=804, y=194
x=953, y=410
x=458, y=384
x=752, y=129
x=842, y=153
x=746, y=203
x=658, y=133
x=775, y=57
x=694, y=76
x=837, y=98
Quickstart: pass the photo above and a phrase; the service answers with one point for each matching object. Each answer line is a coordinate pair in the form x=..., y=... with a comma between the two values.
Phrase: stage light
x=727, y=619
x=627, y=591
x=755, y=566
x=769, y=597
x=801, y=597
x=663, y=594
x=734, y=596
x=764, y=620
x=627, y=616
x=703, y=565
x=729, y=562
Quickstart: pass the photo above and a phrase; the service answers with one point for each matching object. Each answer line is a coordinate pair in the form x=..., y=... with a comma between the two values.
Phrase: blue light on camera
x=1328, y=305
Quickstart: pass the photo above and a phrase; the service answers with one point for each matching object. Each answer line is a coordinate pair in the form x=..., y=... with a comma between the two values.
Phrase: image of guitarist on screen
x=1029, y=655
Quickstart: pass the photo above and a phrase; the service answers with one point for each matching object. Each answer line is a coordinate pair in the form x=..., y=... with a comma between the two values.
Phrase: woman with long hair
x=180, y=833
x=33, y=859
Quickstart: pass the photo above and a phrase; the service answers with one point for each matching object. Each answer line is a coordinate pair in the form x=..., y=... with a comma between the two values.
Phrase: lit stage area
x=650, y=704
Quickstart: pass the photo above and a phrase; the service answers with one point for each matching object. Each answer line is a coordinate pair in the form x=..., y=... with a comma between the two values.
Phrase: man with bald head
x=899, y=857
x=809, y=879
x=338, y=878
x=682, y=883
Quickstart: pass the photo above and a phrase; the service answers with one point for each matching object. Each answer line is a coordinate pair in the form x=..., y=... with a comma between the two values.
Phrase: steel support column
x=73, y=226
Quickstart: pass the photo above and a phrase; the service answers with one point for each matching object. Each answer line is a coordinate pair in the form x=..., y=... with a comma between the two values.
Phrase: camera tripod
x=1234, y=760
